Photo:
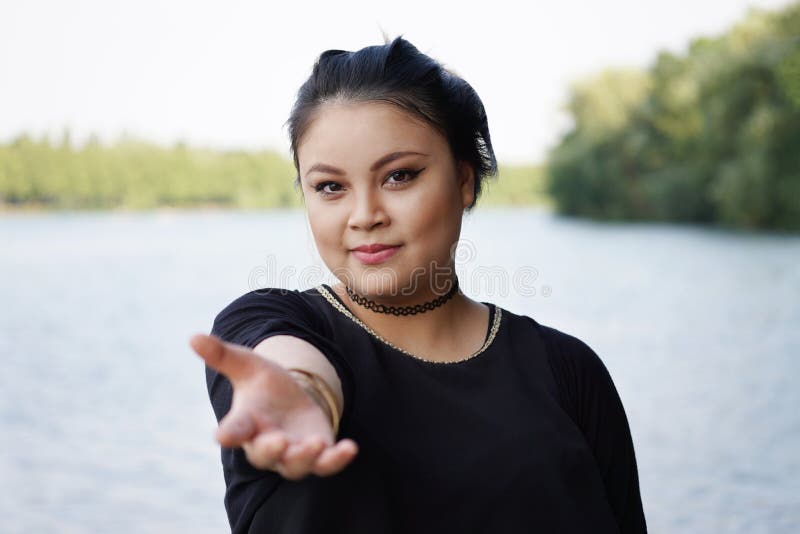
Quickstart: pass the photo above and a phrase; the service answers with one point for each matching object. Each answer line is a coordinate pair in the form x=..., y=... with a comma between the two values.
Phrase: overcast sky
x=224, y=74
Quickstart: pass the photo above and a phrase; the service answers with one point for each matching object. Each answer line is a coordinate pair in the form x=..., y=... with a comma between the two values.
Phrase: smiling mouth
x=374, y=255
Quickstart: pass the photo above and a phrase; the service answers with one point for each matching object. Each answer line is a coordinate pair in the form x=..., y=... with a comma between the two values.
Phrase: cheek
x=326, y=229
x=436, y=221
x=434, y=205
x=319, y=229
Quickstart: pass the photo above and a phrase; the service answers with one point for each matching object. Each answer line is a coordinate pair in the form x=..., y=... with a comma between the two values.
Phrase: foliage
x=515, y=185
x=712, y=136
x=134, y=174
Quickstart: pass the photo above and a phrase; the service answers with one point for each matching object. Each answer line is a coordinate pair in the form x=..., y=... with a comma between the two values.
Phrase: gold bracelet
x=325, y=391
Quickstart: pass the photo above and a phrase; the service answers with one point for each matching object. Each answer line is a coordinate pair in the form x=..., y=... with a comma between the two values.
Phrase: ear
x=466, y=181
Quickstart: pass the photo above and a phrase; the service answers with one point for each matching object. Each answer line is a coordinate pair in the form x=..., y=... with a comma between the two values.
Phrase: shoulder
x=268, y=297
x=586, y=388
x=563, y=349
x=579, y=372
x=570, y=351
x=272, y=300
x=266, y=309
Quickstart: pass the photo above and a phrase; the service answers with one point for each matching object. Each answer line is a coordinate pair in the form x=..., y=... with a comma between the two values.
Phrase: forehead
x=350, y=133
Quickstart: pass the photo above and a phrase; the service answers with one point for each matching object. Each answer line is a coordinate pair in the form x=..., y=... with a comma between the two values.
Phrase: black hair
x=397, y=73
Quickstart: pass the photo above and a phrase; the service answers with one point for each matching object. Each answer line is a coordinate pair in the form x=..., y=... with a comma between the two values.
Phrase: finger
x=335, y=458
x=299, y=458
x=266, y=449
x=235, y=429
x=234, y=361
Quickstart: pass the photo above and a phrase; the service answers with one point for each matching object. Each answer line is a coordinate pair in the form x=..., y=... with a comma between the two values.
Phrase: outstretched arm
x=272, y=417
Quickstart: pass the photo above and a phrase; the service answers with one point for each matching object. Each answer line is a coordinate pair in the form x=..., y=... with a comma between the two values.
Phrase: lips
x=375, y=253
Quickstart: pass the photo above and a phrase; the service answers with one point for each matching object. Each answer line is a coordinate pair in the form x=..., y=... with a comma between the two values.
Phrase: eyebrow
x=388, y=158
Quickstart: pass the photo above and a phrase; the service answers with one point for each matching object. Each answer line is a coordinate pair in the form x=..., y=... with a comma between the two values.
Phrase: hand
x=272, y=418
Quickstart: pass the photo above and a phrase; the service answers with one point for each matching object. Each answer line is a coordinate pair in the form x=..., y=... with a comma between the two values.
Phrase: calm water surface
x=106, y=425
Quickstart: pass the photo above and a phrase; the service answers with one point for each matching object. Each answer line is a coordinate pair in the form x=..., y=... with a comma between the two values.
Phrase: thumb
x=234, y=361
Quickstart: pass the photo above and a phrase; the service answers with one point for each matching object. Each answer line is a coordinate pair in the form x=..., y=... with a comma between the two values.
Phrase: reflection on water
x=107, y=427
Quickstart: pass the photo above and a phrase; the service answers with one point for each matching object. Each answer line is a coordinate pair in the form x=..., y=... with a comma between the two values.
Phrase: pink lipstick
x=375, y=253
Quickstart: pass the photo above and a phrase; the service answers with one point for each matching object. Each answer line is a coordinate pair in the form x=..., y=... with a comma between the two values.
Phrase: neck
x=435, y=332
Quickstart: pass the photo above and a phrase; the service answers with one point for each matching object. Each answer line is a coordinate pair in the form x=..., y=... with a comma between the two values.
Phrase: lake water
x=106, y=425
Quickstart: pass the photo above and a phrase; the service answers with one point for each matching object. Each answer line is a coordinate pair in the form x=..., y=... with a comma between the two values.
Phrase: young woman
x=391, y=401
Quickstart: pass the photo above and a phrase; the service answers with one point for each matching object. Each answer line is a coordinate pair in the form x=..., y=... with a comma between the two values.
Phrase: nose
x=367, y=210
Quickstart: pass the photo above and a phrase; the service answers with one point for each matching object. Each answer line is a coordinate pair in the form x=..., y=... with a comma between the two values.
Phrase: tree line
x=710, y=136
x=134, y=174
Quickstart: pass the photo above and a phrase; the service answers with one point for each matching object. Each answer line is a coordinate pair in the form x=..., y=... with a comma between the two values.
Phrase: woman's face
x=371, y=174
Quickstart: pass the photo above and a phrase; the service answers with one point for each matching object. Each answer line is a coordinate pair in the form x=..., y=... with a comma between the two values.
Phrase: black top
x=526, y=435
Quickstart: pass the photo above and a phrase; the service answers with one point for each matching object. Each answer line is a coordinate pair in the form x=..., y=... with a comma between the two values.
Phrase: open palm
x=279, y=426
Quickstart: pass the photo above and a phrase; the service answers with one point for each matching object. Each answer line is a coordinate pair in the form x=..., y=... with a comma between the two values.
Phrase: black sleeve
x=588, y=394
x=247, y=321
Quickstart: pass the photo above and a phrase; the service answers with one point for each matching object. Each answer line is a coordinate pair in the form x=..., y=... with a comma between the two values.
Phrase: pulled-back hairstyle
x=399, y=74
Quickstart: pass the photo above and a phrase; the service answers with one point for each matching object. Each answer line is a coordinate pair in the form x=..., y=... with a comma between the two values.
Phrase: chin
x=376, y=281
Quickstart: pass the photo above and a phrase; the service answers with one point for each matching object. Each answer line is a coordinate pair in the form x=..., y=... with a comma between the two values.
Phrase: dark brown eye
x=401, y=176
x=321, y=188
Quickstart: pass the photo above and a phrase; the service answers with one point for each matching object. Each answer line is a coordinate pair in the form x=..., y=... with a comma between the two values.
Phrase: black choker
x=403, y=310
